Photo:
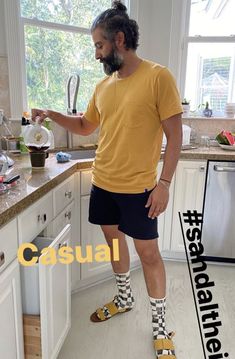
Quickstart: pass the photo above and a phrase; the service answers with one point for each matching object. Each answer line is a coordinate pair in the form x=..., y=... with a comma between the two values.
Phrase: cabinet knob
x=2, y=258
x=68, y=194
x=62, y=245
x=42, y=218
x=202, y=168
x=68, y=215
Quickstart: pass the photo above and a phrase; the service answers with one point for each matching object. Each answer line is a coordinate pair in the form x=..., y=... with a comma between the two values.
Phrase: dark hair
x=116, y=19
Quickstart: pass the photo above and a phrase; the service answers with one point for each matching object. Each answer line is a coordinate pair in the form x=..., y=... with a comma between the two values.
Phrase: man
x=133, y=106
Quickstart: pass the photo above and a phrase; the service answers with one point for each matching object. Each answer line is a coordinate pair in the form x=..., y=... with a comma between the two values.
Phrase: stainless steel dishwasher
x=218, y=230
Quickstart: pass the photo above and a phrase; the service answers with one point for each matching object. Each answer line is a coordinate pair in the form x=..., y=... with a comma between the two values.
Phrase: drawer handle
x=68, y=194
x=42, y=218
x=60, y=245
x=68, y=215
x=2, y=258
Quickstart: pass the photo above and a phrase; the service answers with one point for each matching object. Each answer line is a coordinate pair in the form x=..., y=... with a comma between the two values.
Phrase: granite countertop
x=36, y=183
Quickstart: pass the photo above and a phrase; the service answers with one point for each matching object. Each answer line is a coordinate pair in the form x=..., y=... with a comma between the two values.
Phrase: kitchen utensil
x=37, y=137
x=205, y=141
x=3, y=164
x=38, y=159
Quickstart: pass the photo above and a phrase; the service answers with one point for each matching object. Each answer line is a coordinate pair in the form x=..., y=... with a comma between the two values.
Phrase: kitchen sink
x=183, y=148
x=82, y=154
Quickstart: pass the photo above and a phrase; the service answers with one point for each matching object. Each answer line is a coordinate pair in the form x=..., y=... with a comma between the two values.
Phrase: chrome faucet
x=72, y=85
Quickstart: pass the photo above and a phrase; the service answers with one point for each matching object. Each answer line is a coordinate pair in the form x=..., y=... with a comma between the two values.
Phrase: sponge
x=63, y=157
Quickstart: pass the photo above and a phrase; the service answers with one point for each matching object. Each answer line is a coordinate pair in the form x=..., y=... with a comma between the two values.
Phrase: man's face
x=107, y=53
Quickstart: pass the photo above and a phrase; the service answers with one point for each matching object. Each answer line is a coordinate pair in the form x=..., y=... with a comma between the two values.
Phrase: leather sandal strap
x=100, y=313
x=111, y=308
x=167, y=357
x=161, y=344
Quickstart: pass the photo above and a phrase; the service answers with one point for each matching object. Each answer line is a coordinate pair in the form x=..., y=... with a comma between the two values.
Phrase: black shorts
x=125, y=210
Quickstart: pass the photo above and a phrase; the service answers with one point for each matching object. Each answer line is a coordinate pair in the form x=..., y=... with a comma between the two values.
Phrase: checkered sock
x=158, y=322
x=124, y=299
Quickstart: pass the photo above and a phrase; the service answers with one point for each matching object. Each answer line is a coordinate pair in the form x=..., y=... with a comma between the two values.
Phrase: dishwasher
x=218, y=230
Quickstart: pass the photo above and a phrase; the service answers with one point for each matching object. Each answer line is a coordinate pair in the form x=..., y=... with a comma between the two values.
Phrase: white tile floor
x=129, y=336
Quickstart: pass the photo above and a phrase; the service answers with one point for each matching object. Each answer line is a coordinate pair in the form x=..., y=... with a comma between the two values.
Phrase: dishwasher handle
x=223, y=169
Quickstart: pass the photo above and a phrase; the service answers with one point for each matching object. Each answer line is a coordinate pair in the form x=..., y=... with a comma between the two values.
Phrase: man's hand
x=39, y=115
x=158, y=200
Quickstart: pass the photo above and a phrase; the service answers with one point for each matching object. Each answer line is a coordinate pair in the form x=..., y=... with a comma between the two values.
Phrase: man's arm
x=75, y=124
x=172, y=128
x=159, y=197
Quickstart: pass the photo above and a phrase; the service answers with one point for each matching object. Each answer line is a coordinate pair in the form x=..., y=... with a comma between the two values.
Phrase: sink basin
x=183, y=148
x=82, y=154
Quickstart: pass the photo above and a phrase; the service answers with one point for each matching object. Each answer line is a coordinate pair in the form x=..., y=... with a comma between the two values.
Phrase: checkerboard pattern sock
x=158, y=322
x=124, y=299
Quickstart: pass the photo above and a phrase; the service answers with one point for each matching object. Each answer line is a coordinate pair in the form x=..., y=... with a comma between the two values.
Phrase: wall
x=4, y=81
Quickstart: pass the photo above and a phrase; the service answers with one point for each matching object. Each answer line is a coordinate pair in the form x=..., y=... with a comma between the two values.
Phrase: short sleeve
x=92, y=113
x=168, y=98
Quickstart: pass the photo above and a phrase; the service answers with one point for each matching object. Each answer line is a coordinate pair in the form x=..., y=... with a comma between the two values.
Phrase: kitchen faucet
x=72, y=89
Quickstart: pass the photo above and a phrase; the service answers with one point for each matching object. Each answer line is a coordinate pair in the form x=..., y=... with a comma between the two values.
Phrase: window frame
x=186, y=40
x=15, y=38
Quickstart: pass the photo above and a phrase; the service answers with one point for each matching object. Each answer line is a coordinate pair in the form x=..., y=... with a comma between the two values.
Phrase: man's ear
x=120, y=39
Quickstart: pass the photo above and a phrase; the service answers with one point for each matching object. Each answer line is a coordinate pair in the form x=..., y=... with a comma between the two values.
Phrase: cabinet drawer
x=8, y=244
x=86, y=177
x=58, y=223
x=63, y=195
x=35, y=218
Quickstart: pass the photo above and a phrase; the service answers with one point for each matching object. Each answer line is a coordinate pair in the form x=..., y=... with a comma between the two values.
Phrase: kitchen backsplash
x=209, y=126
x=4, y=86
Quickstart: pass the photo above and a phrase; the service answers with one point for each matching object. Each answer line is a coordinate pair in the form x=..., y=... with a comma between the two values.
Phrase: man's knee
x=110, y=232
x=149, y=256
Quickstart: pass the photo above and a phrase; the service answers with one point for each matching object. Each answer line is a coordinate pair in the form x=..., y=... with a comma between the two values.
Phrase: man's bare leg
x=124, y=299
x=155, y=278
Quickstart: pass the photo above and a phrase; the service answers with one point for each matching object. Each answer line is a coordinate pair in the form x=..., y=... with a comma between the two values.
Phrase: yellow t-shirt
x=129, y=112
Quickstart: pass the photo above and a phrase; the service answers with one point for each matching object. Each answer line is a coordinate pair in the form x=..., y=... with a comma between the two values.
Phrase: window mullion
x=15, y=54
x=209, y=39
x=55, y=26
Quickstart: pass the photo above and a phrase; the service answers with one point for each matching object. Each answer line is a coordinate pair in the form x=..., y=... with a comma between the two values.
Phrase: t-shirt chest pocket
x=133, y=114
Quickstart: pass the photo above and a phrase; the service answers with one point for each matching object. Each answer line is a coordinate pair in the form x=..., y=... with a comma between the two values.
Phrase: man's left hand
x=158, y=200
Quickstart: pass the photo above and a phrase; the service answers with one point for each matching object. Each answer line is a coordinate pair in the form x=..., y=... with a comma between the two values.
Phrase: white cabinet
x=69, y=215
x=8, y=244
x=189, y=192
x=63, y=194
x=11, y=334
x=53, y=294
x=66, y=203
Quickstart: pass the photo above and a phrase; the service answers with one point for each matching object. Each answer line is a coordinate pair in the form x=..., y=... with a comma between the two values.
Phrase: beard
x=113, y=62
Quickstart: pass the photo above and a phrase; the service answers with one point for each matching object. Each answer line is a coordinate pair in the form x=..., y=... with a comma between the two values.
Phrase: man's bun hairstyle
x=116, y=19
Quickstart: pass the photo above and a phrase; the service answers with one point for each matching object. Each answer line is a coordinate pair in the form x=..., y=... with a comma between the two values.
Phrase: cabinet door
x=69, y=215
x=55, y=299
x=189, y=192
x=91, y=235
x=11, y=332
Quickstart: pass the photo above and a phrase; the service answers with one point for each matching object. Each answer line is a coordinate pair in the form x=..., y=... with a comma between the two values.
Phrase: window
x=57, y=44
x=210, y=52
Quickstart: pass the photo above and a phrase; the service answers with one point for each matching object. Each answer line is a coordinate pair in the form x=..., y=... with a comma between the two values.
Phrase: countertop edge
x=13, y=211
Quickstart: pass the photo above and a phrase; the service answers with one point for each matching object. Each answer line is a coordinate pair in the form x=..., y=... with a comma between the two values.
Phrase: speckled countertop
x=36, y=183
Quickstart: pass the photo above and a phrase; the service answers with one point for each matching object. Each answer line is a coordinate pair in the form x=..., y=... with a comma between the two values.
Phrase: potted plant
x=186, y=107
